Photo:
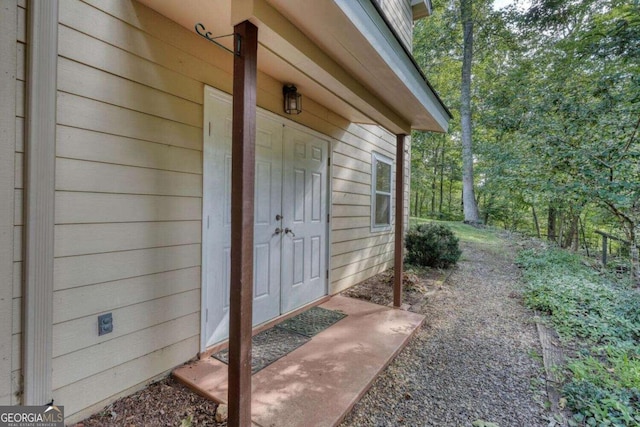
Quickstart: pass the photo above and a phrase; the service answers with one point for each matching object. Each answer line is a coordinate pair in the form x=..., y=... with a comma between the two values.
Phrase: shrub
x=432, y=245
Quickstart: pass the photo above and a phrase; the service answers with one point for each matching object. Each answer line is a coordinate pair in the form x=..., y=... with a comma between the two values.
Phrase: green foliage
x=432, y=245
x=556, y=107
x=598, y=406
x=602, y=317
x=581, y=303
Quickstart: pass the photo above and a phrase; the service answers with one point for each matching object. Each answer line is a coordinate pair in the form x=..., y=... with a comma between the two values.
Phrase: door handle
x=278, y=231
x=288, y=230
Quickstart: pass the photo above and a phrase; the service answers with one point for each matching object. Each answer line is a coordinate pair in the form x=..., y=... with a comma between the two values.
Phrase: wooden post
x=242, y=203
x=399, y=240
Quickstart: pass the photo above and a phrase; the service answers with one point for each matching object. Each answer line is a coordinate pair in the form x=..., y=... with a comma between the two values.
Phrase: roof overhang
x=339, y=53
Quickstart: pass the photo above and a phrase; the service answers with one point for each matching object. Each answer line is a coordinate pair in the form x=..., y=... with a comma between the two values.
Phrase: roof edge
x=410, y=56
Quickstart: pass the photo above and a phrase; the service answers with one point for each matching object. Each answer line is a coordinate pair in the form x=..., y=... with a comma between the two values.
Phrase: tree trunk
x=442, y=175
x=584, y=236
x=450, y=189
x=415, y=205
x=434, y=181
x=470, y=207
x=433, y=194
x=570, y=240
x=551, y=223
x=535, y=220
x=560, y=229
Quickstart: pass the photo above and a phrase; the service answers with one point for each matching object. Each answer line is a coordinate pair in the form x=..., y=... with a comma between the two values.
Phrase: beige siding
x=400, y=16
x=128, y=203
x=129, y=196
x=357, y=252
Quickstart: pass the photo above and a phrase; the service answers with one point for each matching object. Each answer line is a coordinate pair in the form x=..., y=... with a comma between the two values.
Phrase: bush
x=432, y=245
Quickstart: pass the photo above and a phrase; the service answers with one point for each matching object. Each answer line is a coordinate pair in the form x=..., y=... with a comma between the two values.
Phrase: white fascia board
x=366, y=18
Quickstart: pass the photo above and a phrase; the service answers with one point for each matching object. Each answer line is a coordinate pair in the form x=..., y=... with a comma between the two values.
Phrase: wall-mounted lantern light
x=292, y=100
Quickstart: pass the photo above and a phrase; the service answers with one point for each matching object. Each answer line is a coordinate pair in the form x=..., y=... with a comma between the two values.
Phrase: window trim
x=375, y=158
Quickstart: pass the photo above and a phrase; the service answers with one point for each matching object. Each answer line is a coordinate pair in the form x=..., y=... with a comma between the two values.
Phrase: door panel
x=216, y=266
x=267, y=205
x=304, y=249
x=291, y=191
x=216, y=219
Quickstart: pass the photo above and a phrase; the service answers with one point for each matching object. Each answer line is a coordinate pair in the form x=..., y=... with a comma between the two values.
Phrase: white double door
x=290, y=244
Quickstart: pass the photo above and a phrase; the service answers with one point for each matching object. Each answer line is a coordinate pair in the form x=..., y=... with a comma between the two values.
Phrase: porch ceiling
x=339, y=53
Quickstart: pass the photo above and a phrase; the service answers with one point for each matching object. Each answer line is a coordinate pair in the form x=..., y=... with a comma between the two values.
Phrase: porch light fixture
x=292, y=99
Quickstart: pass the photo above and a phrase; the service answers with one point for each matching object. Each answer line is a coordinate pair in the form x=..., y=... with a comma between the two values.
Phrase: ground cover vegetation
x=555, y=113
x=597, y=315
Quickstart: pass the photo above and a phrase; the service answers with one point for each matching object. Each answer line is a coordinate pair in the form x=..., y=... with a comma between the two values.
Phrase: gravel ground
x=474, y=361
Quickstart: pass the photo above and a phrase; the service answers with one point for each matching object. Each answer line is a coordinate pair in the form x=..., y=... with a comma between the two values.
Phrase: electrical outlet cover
x=105, y=324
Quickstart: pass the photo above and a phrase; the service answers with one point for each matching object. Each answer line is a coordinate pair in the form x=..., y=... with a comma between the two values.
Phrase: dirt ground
x=417, y=285
x=164, y=403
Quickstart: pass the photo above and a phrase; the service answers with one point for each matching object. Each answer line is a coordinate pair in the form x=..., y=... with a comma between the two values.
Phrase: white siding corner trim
x=42, y=57
x=8, y=24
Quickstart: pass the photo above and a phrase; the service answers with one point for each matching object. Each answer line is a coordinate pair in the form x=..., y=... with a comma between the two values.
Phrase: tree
x=469, y=203
x=554, y=93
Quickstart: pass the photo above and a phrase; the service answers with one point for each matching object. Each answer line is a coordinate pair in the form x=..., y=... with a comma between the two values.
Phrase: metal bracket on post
x=237, y=39
x=238, y=44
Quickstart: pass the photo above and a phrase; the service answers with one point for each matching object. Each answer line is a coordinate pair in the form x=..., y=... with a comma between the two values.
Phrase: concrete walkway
x=318, y=383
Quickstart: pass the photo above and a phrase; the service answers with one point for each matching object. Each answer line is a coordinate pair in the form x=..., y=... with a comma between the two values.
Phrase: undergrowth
x=599, y=314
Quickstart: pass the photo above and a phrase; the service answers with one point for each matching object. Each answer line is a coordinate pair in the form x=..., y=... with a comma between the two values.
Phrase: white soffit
x=215, y=16
x=355, y=35
x=340, y=54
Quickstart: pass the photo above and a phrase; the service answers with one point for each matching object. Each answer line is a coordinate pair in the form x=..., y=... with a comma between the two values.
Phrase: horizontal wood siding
x=399, y=14
x=128, y=203
x=357, y=253
x=129, y=196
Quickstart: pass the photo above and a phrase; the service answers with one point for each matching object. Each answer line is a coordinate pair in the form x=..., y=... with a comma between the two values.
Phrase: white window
x=381, y=192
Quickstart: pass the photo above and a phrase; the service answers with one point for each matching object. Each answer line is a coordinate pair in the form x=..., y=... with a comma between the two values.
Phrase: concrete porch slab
x=318, y=383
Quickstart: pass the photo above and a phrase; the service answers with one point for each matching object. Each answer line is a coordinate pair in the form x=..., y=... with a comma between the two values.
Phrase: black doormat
x=312, y=321
x=268, y=346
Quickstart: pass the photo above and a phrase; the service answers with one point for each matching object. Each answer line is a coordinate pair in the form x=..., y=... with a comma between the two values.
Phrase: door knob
x=278, y=231
x=288, y=230
x=279, y=217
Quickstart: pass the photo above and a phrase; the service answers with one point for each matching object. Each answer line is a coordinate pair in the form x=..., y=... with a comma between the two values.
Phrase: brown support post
x=399, y=241
x=242, y=200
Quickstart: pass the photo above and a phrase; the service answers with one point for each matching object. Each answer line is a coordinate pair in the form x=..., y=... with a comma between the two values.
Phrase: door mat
x=312, y=321
x=268, y=346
